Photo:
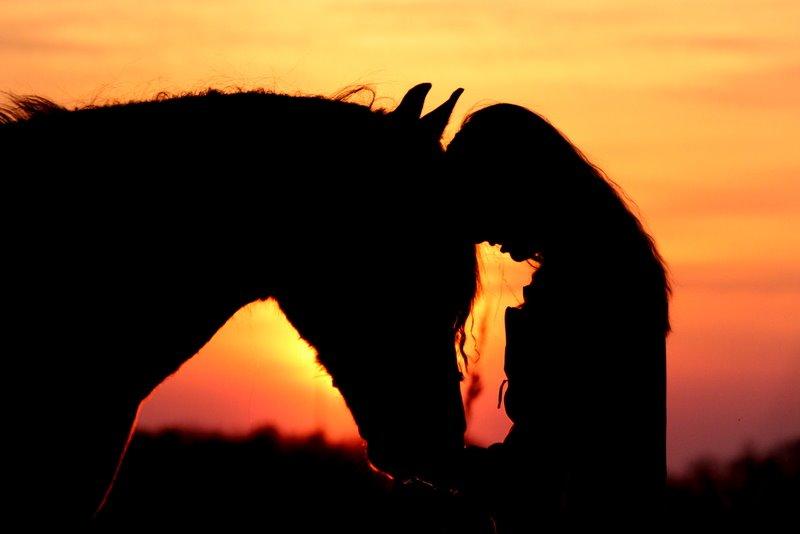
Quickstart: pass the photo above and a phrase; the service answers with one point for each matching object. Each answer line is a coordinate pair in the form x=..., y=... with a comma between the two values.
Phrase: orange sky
x=694, y=108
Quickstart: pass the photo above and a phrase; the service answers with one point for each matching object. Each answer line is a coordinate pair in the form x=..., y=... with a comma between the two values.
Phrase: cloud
x=772, y=193
x=776, y=87
x=98, y=27
x=18, y=43
x=715, y=43
x=723, y=277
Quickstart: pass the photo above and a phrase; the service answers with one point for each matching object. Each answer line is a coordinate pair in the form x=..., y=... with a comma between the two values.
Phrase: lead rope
x=500, y=393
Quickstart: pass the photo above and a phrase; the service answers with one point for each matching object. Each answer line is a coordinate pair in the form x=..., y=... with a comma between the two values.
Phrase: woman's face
x=498, y=146
x=519, y=250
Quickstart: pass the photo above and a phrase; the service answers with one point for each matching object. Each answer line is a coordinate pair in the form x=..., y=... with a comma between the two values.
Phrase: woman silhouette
x=585, y=354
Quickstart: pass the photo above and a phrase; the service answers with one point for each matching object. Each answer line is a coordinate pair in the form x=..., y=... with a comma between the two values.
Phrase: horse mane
x=20, y=109
x=25, y=107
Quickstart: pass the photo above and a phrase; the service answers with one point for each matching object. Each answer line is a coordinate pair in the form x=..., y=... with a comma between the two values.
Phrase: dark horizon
x=189, y=477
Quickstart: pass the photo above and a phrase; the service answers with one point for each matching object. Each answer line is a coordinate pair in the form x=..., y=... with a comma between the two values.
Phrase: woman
x=585, y=356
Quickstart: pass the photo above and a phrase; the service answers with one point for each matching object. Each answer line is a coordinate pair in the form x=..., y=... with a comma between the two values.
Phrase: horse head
x=386, y=311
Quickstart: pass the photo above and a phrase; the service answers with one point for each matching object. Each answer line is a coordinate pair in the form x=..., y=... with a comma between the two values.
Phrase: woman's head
x=537, y=169
x=555, y=205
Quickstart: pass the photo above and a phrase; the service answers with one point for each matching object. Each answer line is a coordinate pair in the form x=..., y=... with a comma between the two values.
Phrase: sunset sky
x=692, y=107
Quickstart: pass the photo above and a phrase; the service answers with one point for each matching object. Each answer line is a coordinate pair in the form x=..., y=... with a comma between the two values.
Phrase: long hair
x=563, y=195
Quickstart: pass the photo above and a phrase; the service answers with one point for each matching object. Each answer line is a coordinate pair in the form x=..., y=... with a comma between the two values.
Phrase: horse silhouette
x=139, y=228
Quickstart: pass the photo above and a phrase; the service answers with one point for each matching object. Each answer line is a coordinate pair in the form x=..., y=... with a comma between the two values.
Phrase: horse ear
x=436, y=121
x=410, y=107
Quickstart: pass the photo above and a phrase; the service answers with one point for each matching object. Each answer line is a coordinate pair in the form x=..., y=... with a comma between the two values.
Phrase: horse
x=139, y=228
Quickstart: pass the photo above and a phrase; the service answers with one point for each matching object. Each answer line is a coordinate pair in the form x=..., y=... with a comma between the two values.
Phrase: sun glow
x=257, y=369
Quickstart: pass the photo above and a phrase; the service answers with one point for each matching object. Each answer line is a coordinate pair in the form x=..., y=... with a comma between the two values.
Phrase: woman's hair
x=583, y=212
